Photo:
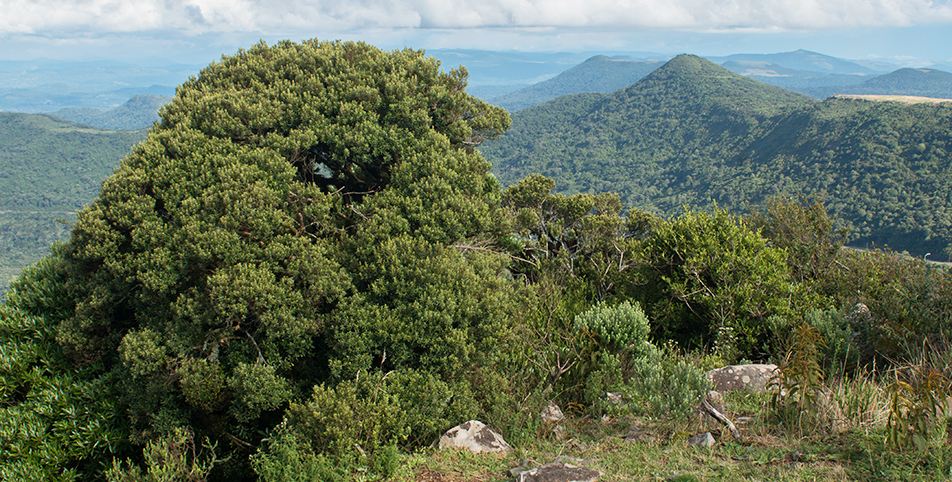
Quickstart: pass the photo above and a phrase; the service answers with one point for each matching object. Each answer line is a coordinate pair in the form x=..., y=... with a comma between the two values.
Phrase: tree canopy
x=294, y=202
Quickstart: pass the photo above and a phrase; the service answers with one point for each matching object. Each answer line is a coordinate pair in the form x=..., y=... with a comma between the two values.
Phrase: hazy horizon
x=906, y=32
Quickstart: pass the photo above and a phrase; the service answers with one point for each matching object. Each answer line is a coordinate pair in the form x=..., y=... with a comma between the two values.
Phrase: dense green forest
x=692, y=132
x=49, y=169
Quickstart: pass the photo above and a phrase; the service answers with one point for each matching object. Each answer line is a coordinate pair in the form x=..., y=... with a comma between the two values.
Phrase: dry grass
x=903, y=99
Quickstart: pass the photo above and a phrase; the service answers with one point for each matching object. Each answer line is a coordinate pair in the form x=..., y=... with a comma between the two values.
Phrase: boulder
x=753, y=378
x=559, y=472
x=705, y=439
x=474, y=436
x=552, y=413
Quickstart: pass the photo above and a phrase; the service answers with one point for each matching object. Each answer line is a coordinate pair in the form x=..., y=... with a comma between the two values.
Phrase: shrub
x=57, y=421
x=904, y=301
x=359, y=424
x=709, y=279
x=173, y=458
x=653, y=381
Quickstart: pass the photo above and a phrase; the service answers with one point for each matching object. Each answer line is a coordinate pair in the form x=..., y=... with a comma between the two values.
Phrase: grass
x=770, y=450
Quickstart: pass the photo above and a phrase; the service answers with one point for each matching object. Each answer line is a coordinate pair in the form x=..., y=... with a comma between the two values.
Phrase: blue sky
x=913, y=32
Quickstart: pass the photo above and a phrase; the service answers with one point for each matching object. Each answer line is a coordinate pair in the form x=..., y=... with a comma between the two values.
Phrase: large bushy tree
x=300, y=214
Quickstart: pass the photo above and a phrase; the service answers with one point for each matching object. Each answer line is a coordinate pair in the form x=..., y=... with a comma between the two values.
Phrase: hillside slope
x=692, y=132
x=917, y=82
x=139, y=112
x=803, y=81
x=49, y=168
x=597, y=74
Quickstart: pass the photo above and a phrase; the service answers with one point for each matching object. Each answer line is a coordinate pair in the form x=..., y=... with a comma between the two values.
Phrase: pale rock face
x=552, y=413
x=753, y=378
x=474, y=436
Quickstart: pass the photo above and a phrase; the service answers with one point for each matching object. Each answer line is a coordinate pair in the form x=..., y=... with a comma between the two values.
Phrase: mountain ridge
x=693, y=132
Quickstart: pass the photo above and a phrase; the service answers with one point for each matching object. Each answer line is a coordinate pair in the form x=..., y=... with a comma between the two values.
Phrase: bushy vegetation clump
x=307, y=271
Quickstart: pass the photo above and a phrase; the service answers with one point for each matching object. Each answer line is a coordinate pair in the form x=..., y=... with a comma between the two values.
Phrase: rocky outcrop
x=475, y=437
x=753, y=378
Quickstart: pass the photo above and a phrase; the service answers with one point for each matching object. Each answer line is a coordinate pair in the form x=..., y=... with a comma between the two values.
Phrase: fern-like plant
x=799, y=378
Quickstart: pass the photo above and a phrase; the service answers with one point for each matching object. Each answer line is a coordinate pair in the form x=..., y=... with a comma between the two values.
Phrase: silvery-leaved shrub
x=651, y=380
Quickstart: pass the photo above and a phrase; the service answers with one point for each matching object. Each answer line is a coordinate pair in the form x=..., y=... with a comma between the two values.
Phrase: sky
x=913, y=32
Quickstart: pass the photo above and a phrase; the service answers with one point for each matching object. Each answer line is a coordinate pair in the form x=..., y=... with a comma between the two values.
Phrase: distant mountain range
x=692, y=132
x=139, y=112
x=810, y=62
x=809, y=73
x=45, y=85
x=597, y=74
x=918, y=82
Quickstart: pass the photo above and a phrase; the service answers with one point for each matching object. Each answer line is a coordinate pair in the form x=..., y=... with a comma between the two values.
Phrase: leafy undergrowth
x=765, y=453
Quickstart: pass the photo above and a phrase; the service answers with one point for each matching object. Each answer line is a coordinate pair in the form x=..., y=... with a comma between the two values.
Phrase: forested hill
x=692, y=132
x=597, y=74
x=49, y=168
x=918, y=82
x=139, y=112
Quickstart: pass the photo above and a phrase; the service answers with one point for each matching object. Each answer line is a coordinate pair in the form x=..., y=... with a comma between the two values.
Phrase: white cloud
x=274, y=17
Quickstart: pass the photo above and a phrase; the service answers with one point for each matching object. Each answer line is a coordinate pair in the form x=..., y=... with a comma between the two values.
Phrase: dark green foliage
x=709, y=279
x=620, y=359
x=582, y=236
x=839, y=351
x=919, y=395
x=57, y=421
x=302, y=213
x=51, y=165
x=805, y=230
x=358, y=424
x=175, y=457
x=692, y=132
x=795, y=388
x=893, y=301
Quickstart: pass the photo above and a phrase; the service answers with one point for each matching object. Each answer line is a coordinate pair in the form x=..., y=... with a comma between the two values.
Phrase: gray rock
x=702, y=440
x=637, y=435
x=474, y=436
x=523, y=466
x=552, y=413
x=753, y=378
x=559, y=472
